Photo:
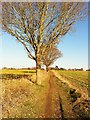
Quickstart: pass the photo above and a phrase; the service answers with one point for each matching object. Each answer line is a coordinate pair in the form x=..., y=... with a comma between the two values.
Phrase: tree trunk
x=47, y=68
x=38, y=70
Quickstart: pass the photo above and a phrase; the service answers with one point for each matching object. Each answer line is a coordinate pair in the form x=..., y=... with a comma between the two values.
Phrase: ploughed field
x=62, y=94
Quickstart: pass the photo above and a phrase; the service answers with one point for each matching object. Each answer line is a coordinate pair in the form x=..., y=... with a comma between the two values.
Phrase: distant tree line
x=49, y=68
x=75, y=69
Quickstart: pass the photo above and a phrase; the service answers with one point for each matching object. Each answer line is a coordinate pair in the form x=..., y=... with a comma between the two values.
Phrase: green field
x=77, y=75
x=78, y=80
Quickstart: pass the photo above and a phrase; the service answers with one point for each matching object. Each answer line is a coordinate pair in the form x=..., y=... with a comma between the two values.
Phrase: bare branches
x=32, y=23
x=50, y=54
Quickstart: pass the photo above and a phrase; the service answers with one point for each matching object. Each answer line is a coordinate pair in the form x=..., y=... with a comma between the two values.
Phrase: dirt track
x=57, y=104
x=52, y=99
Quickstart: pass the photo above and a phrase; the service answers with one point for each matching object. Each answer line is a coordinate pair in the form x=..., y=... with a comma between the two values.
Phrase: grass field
x=74, y=89
x=62, y=93
x=77, y=75
x=77, y=79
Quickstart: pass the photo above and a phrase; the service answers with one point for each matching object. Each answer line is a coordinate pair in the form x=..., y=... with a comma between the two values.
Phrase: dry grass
x=7, y=71
x=23, y=99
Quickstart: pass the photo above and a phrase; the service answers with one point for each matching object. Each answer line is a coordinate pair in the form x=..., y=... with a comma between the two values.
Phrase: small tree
x=32, y=22
x=50, y=55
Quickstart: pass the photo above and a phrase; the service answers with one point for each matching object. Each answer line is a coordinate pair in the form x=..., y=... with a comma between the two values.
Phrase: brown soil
x=52, y=109
x=57, y=102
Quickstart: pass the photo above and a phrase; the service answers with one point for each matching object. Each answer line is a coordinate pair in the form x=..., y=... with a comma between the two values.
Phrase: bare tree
x=31, y=23
x=50, y=55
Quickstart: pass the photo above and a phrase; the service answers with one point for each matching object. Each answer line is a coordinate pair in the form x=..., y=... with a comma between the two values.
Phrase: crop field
x=75, y=86
x=76, y=79
x=62, y=94
x=7, y=71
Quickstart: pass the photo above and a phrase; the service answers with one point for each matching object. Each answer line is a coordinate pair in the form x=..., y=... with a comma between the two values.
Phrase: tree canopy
x=50, y=55
x=31, y=23
x=34, y=23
